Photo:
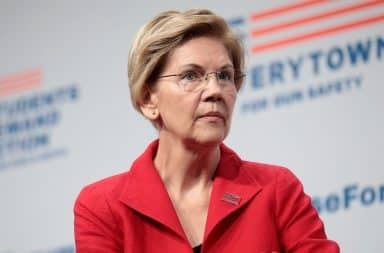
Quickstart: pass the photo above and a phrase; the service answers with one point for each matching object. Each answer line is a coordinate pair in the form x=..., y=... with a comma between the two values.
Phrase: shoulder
x=261, y=173
x=98, y=192
x=265, y=173
x=96, y=221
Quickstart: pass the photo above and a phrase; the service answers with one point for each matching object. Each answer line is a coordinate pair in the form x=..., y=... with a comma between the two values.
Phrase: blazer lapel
x=232, y=189
x=145, y=192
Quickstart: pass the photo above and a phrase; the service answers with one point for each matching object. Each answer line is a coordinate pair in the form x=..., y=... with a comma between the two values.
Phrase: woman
x=188, y=192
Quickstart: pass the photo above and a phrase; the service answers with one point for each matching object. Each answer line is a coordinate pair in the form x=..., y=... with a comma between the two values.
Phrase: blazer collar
x=145, y=192
x=233, y=188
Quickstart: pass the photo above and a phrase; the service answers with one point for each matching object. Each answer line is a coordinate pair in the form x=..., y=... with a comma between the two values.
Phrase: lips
x=212, y=114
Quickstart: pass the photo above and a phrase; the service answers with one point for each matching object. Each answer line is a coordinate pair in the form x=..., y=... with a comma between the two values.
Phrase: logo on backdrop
x=62, y=249
x=29, y=116
x=285, y=69
x=348, y=197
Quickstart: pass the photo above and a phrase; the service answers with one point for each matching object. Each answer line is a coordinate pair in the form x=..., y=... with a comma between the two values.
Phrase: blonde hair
x=166, y=31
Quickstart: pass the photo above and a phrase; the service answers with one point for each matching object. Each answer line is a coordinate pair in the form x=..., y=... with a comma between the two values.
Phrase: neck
x=183, y=166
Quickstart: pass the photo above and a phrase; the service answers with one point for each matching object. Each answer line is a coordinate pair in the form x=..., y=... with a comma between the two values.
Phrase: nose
x=206, y=77
x=213, y=90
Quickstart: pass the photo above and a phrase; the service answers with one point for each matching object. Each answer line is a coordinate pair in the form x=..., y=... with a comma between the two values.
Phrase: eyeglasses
x=194, y=80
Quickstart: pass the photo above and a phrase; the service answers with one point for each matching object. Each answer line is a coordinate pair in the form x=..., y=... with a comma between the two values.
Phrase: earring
x=155, y=113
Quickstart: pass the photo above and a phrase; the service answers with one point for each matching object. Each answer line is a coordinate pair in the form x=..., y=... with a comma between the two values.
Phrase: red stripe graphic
x=20, y=82
x=285, y=8
x=316, y=34
x=310, y=19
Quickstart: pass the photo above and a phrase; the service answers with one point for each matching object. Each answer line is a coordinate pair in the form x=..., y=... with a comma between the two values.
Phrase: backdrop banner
x=311, y=102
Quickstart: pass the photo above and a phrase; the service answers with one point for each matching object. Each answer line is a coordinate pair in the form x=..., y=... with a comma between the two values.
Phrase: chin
x=209, y=137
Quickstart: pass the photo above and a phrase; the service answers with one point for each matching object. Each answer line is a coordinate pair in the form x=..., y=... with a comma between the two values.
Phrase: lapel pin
x=231, y=198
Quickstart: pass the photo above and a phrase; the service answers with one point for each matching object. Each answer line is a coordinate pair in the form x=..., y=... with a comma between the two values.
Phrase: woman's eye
x=224, y=75
x=190, y=76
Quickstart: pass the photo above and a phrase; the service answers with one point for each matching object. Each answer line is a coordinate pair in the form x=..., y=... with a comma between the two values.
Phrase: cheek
x=230, y=102
x=176, y=107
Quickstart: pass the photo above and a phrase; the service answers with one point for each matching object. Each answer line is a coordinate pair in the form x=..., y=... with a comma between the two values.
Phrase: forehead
x=207, y=52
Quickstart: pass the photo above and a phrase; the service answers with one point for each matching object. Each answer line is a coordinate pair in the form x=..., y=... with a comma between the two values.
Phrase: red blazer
x=254, y=208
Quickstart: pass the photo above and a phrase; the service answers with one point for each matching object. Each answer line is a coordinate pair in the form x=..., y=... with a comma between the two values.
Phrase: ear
x=150, y=107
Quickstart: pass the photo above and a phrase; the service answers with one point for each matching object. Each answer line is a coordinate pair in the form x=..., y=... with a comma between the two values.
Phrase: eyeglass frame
x=205, y=77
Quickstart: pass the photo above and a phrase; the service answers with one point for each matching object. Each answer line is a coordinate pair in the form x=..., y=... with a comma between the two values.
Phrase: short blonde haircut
x=168, y=30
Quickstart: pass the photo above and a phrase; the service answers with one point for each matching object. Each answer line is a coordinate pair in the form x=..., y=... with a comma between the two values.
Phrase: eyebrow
x=197, y=66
